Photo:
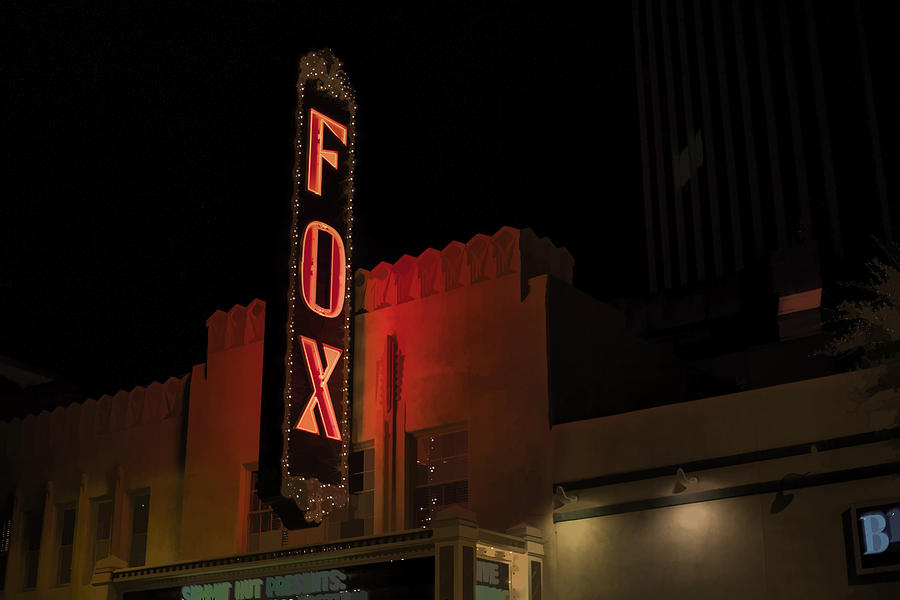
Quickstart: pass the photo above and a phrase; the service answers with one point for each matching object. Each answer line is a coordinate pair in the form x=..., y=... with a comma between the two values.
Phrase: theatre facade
x=463, y=424
x=468, y=476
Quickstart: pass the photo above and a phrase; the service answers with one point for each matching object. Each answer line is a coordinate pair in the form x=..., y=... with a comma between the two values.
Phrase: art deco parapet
x=483, y=258
x=239, y=326
x=140, y=406
x=64, y=427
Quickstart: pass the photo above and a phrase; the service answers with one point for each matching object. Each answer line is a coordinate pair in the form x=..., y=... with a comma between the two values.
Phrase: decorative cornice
x=240, y=326
x=459, y=265
x=351, y=551
x=501, y=540
x=51, y=431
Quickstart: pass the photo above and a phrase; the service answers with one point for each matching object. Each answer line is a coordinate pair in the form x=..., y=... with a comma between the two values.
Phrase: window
x=441, y=474
x=5, y=537
x=262, y=519
x=361, y=472
x=103, y=533
x=66, y=541
x=535, y=583
x=357, y=517
x=33, y=530
x=140, y=518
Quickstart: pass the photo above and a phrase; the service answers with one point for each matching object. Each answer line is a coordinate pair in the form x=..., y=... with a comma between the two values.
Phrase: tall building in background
x=746, y=149
x=763, y=172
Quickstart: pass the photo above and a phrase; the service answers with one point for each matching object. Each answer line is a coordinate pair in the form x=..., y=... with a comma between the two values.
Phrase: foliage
x=870, y=325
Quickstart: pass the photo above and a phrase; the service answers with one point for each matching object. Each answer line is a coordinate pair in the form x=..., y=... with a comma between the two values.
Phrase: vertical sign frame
x=305, y=409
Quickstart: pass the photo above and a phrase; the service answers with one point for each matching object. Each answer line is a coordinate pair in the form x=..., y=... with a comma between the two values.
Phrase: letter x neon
x=320, y=396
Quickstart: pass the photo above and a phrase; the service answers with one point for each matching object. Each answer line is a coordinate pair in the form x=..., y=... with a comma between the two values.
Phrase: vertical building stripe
x=824, y=134
x=880, y=184
x=749, y=140
x=699, y=251
x=674, y=145
x=660, y=166
x=805, y=232
x=771, y=127
x=733, y=199
x=709, y=148
x=645, y=160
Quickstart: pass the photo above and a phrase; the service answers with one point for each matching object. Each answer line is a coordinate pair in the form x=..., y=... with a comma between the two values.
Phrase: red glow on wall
x=309, y=269
x=317, y=153
x=320, y=396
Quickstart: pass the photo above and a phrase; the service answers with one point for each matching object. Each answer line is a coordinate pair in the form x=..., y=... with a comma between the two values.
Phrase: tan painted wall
x=734, y=548
x=475, y=356
x=100, y=448
x=222, y=438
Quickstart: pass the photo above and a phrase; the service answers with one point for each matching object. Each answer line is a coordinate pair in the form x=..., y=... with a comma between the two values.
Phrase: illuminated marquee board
x=411, y=578
x=305, y=412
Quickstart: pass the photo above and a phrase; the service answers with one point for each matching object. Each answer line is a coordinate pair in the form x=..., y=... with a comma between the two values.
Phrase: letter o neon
x=309, y=265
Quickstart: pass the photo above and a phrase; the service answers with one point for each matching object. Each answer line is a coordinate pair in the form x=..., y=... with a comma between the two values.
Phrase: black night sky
x=148, y=149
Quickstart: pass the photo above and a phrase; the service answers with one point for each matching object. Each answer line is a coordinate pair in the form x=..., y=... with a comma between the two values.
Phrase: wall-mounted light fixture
x=561, y=498
x=683, y=482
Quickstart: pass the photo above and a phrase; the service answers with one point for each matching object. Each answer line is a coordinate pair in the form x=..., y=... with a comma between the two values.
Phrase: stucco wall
x=108, y=448
x=474, y=357
x=223, y=437
x=736, y=547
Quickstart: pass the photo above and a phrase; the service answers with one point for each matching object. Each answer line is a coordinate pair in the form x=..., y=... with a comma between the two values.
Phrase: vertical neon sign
x=306, y=371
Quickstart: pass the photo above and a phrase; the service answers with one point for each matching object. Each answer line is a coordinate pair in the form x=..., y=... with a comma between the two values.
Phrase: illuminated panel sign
x=411, y=578
x=315, y=585
x=491, y=580
x=875, y=540
x=305, y=412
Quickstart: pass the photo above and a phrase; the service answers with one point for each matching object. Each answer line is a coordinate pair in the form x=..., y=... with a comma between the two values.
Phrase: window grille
x=261, y=518
x=140, y=520
x=66, y=541
x=103, y=533
x=441, y=474
x=33, y=530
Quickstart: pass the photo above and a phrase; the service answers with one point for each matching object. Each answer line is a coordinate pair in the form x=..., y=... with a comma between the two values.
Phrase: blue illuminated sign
x=873, y=538
x=880, y=530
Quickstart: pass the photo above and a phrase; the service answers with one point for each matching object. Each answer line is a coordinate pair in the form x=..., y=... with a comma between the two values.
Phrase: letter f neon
x=316, y=153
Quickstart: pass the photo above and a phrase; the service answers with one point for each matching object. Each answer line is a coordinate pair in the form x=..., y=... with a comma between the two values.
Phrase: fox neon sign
x=309, y=270
x=305, y=412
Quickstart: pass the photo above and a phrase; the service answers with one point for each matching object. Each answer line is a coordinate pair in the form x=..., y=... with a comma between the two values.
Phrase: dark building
x=763, y=171
x=753, y=143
